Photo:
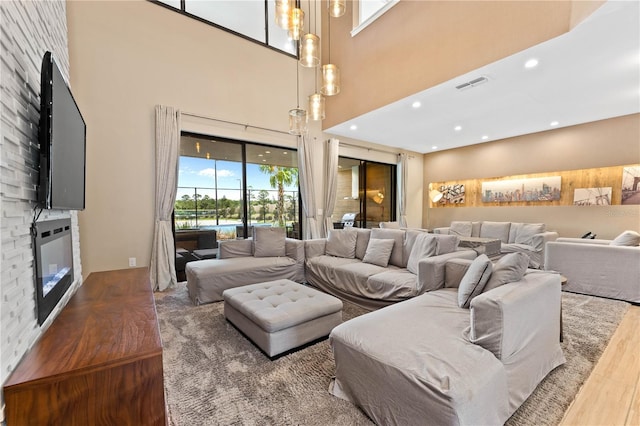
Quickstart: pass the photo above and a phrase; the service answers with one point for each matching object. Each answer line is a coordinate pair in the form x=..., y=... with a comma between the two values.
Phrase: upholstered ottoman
x=281, y=315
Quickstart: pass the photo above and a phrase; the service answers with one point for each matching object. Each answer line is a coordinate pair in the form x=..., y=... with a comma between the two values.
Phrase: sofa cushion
x=446, y=244
x=389, y=225
x=475, y=229
x=460, y=228
x=269, y=242
x=509, y=268
x=342, y=243
x=454, y=270
x=395, y=284
x=378, y=251
x=235, y=248
x=522, y=233
x=362, y=242
x=474, y=280
x=497, y=230
x=627, y=238
x=397, y=257
x=425, y=245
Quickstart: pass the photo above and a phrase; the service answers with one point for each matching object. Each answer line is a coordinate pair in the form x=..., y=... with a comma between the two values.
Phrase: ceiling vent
x=473, y=83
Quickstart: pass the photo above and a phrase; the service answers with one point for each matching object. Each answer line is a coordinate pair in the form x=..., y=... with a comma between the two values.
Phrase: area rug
x=214, y=376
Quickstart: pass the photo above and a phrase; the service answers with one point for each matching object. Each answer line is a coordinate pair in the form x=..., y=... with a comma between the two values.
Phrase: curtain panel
x=403, y=175
x=162, y=269
x=307, y=190
x=331, y=180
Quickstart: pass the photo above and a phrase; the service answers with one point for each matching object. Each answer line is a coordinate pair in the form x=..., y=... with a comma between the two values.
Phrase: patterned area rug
x=214, y=376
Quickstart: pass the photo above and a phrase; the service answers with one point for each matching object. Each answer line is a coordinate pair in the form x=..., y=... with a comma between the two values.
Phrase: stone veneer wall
x=27, y=30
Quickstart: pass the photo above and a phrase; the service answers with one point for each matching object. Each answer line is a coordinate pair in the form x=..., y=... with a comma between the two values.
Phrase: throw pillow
x=627, y=238
x=397, y=258
x=342, y=243
x=509, y=268
x=378, y=252
x=462, y=229
x=526, y=232
x=362, y=242
x=425, y=245
x=474, y=280
x=269, y=241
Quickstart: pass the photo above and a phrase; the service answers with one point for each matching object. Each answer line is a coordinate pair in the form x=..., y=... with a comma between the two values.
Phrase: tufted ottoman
x=281, y=315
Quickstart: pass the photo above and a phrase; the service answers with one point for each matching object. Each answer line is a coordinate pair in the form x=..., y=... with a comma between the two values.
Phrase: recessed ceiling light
x=284, y=152
x=434, y=147
x=264, y=161
x=531, y=63
x=353, y=127
x=260, y=155
x=457, y=128
x=267, y=152
x=416, y=104
x=339, y=166
x=554, y=123
x=485, y=137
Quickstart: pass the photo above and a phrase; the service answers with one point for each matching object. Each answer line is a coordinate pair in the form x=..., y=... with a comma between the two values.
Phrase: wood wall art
x=452, y=194
x=546, y=188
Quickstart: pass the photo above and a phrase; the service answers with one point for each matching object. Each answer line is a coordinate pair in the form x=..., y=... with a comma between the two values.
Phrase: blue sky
x=201, y=173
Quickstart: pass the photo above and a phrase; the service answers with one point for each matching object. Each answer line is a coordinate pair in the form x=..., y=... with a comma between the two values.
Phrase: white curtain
x=331, y=180
x=163, y=269
x=403, y=175
x=307, y=190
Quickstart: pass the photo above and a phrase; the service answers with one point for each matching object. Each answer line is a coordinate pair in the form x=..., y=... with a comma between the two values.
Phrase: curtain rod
x=371, y=149
x=246, y=126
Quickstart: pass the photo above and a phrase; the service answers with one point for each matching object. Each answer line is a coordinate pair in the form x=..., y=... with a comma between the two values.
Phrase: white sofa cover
x=372, y=286
x=528, y=238
x=596, y=267
x=413, y=362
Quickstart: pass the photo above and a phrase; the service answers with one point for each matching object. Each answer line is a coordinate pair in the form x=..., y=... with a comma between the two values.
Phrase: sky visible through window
x=201, y=173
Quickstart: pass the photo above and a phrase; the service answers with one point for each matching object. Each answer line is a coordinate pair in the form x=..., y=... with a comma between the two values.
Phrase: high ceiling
x=588, y=74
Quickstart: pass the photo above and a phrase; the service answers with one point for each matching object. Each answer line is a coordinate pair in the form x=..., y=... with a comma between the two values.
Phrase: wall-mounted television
x=62, y=143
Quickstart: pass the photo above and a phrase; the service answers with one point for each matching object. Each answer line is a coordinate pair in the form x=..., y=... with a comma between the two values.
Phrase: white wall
x=28, y=30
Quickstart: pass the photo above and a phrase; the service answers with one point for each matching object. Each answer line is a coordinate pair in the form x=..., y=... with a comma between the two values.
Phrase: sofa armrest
x=518, y=317
x=583, y=241
x=441, y=230
x=431, y=270
x=315, y=247
x=235, y=248
x=294, y=249
x=538, y=241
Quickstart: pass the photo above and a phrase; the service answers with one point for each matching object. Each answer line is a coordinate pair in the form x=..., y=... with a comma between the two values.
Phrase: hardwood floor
x=611, y=394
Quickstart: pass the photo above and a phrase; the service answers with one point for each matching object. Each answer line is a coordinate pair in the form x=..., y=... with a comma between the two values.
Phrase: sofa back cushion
x=425, y=245
x=269, y=242
x=235, y=248
x=446, y=243
x=474, y=280
x=389, y=225
x=497, y=230
x=397, y=254
x=627, y=238
x=460, y=228
x=509, y=268
x=521, y=233
x=342, y=243
x=378, y=252
x=475, y=229
x=364, y=234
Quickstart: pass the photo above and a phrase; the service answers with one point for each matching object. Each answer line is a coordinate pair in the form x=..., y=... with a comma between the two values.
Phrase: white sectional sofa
x=528, y=238
x=347, y=264
x=429, y=361
x=604, y=268
x=269, y=256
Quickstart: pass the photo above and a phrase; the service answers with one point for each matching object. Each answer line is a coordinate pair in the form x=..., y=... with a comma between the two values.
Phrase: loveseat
x=377, y=267
x=428, y=360
x=528, y=238
x=598, y=267
x=268, y=256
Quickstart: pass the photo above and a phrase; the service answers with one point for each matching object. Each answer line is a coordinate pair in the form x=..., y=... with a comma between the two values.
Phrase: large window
x=251, y=19
x=232, y=186
x=365, y=190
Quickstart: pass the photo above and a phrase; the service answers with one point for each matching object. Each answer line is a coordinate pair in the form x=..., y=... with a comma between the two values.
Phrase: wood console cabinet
x=99, y=363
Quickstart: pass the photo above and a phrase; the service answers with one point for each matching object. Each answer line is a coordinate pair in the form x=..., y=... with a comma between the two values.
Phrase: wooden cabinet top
x=110, y=319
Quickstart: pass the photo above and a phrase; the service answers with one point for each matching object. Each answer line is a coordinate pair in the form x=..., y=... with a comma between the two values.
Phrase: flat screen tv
x=62, y=143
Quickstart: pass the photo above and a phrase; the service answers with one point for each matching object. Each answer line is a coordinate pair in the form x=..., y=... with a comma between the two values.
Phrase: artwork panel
x=517, y=190
x=631, y=185
x=592, y=196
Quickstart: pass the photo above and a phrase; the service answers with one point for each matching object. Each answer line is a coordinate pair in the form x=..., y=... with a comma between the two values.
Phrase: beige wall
x=603, y=143
x=419, y=44
x=128, y=57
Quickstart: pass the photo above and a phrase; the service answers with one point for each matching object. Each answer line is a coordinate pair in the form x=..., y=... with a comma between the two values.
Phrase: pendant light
x=283, y=9
x=337, y=8
x=330, y=72
x=296, y=23
x=310, y=46
x=316, y=107
x=297, y=116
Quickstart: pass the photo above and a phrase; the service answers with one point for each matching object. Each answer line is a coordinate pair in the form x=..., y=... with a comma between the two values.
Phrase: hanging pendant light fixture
x=297, y=116
x=316, y=107
x=330, y=72
x=283, y=9
x=296, y=23
x=337, y=8
x=310, y=46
